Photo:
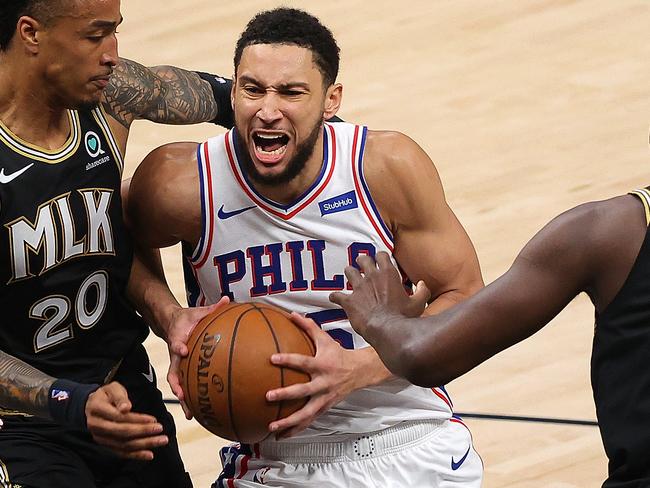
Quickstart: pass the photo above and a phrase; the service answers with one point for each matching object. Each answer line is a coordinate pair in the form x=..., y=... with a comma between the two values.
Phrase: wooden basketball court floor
x=527, y=108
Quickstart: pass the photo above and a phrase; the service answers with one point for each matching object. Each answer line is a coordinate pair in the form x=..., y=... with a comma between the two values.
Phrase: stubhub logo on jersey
x=340, y=203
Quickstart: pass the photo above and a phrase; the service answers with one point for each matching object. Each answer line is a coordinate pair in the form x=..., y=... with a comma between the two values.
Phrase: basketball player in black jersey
x=600, y=248
x=72, y=365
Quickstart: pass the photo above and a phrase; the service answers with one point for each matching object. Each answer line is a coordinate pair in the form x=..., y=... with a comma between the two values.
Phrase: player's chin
x=88, y=102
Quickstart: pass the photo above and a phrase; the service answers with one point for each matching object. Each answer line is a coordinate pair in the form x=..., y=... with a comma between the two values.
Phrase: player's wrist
x=221, y=89
x=67, y=402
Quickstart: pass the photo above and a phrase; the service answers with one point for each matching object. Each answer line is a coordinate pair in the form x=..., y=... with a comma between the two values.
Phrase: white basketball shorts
x=434, y=453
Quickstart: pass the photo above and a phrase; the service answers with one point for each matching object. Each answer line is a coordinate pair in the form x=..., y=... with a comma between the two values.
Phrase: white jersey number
x=55, y=309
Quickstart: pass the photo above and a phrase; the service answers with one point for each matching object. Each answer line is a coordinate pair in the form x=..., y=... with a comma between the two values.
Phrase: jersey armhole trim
x=644, y=195
x=200, y=253
x=367, y=202
x=100, y=117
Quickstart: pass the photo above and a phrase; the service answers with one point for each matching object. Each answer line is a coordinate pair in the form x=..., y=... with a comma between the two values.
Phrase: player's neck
x=29, y=113
x=289, y=192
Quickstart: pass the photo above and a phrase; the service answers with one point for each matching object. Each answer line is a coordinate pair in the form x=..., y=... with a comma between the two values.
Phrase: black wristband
x=221, y=88
x=67, y=403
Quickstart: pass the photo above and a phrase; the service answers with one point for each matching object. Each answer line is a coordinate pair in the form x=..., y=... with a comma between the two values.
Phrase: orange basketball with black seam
x=228, y=370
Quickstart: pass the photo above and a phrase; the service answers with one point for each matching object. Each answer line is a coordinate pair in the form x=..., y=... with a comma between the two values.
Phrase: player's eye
x=253, y=90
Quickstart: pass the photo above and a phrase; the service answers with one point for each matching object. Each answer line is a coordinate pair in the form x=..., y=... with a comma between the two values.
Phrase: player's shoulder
x=390, y=141
x=173, y=153
x=598, y=228
x=167, y=171
x=395, y=152
x=609, y=215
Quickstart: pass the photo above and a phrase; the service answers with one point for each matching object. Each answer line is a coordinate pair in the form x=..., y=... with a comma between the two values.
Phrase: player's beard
x=295, y=166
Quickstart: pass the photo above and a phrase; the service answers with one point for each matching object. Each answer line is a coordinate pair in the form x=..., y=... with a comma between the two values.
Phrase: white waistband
x=353, y=447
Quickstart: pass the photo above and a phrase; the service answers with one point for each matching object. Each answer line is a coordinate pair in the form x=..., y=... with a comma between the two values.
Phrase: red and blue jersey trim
x=207, y=207
x=286, y=212
x=367, y=203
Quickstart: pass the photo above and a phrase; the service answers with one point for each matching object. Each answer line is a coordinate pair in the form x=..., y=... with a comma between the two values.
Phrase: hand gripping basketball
x=228, y=370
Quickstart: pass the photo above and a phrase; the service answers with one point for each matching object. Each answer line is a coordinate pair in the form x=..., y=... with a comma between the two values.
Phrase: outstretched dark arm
x=590, y=248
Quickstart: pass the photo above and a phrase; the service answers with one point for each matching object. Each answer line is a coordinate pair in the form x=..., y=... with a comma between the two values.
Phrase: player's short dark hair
x=12, y=10
x=295, y=27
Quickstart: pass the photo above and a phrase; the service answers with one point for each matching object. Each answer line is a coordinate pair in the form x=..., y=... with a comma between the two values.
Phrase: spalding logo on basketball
x=228, y=370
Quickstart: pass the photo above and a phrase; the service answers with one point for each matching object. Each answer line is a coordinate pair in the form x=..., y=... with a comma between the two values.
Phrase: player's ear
x=29, y=30
x=333, y=98
x=232, y=91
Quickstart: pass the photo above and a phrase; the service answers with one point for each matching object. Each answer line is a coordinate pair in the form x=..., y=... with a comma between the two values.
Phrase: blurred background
x=527, y=108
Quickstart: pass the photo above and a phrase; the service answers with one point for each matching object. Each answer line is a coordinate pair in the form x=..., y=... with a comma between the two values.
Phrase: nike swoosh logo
x=12, y=176
x=149, y=375
x=223, y=215
x=456, y=465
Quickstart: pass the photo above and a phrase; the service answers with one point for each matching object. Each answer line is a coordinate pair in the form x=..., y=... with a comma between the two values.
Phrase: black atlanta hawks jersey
x=65, y=253
x=618, y=373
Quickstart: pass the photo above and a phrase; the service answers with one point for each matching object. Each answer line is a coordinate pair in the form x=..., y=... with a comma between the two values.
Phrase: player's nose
x=110, y=56
x=269, y=110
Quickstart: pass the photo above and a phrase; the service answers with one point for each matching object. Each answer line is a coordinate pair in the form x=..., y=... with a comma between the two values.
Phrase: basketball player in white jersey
x=273, y=211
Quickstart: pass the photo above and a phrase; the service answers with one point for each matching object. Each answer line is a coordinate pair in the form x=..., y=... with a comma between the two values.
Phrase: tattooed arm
x=22, y=387
x=163, y=94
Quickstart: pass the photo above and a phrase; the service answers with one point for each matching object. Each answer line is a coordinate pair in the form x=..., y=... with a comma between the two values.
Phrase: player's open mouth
x=270, y=148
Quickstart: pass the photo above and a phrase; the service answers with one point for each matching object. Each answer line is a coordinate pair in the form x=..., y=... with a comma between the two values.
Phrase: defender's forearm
x=164, y=94
x=23, y=388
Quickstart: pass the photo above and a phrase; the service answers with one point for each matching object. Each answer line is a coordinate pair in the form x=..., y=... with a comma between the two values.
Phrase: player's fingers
x=178, y=347
x=292, y=392
x=306, y=324
x=383, y=261
x=339, y=298
x=117, y=395
x=303, y=416
x=285, y=434
x=175, y=385
x=135, y=449
x=366, y=263
x=104, y=410
x=131, y=443
x=353, y=275
x=173, y=377
x=186, y=411
x=199, y=312
x=420, y=296
x=128, y=426
x=294, y=361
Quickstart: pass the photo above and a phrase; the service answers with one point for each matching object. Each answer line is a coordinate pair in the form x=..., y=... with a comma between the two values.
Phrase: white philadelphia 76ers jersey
x=293, y=256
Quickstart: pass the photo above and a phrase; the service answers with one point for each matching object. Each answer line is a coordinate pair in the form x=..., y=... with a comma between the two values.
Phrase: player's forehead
x=90, y=12
x=278, y=64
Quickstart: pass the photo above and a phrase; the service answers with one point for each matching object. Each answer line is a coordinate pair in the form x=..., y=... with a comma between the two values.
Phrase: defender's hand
x=112, y=424
x=378, y=293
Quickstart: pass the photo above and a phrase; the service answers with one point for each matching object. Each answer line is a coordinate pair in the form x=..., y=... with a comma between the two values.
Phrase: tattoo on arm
x=23, y=388
x=163, y=94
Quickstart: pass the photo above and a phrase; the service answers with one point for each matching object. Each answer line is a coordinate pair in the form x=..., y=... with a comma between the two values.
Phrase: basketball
x=228, y=370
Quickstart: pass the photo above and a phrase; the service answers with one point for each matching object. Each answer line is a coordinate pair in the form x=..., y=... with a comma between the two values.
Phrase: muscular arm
x=590, y=248
x=430, y=243
x=22, y=387
x=164, y=94
x=162, y=208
